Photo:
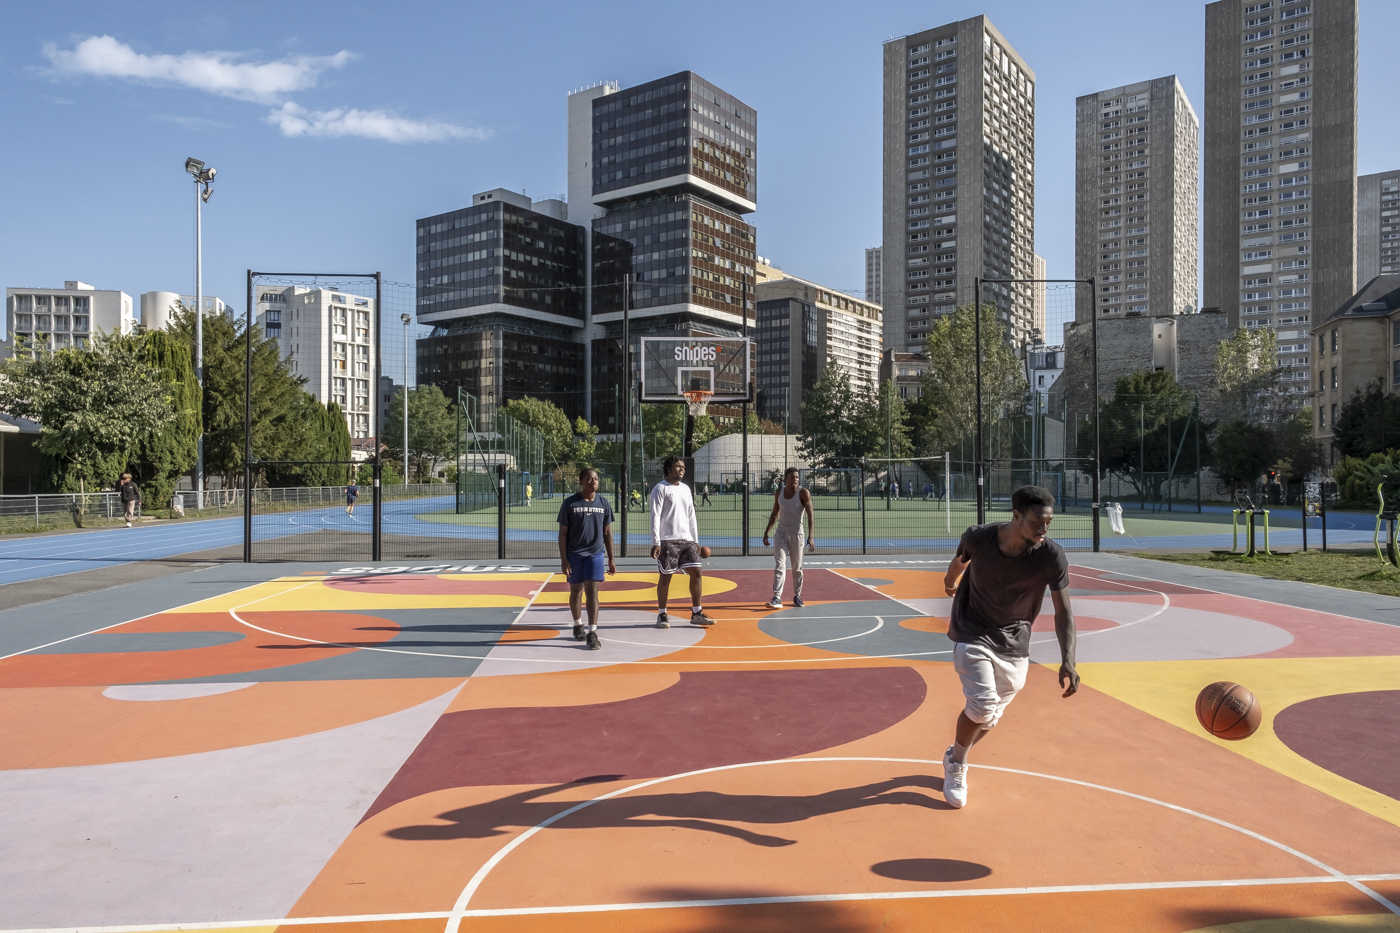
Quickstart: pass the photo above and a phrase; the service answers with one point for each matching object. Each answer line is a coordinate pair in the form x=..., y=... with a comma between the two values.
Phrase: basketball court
x=425, y=748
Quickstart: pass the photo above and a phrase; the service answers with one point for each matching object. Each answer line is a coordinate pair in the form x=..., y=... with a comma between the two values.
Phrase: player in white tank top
x=790, y=503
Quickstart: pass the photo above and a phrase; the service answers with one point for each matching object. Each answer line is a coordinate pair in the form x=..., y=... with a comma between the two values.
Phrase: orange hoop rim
x=698, y=400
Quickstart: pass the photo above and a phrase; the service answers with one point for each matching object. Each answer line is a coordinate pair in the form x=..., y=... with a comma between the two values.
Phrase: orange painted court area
x=429, y=751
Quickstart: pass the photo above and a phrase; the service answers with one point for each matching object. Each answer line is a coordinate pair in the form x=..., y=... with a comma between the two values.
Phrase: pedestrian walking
x=352, y=492
x=130, y=495
x=789, y=505
x=705, y=494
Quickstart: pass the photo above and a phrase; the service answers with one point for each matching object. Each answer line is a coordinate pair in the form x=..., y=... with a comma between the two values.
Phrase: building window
x=1321, y=417
x=1395, y=373
x=1395, y=333
x=1334, y=377
x=1334, y=413
x=1334, y=341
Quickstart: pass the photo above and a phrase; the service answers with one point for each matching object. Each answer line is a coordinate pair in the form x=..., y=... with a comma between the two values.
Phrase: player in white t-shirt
x=675, y=544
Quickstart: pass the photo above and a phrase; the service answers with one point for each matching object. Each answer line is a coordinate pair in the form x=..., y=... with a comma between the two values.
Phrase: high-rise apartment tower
x=959, y=178
x=1280, y=170
x=874, y=274
x=1135, y=215
x=661, y=176
x=1377, y=225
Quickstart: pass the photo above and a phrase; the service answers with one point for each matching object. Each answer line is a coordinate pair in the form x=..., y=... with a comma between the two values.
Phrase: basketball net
x=697, y=400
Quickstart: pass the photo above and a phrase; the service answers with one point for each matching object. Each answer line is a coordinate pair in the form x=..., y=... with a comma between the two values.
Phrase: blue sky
x=376, y=114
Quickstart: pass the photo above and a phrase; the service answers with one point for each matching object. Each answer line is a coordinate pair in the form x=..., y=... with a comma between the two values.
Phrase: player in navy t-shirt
x=585, y=534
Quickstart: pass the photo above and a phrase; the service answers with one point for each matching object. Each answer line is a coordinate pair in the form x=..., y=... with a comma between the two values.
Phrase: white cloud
x=294, y=120
x=215, y=72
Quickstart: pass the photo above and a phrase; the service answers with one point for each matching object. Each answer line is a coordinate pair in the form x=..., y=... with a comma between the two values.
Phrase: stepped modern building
x=1136, y=193
x=959, y=179
x=1280, y=169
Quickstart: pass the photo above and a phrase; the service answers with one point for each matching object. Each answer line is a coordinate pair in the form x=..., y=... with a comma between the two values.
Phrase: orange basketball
x=704, y=552
x=1228, y=711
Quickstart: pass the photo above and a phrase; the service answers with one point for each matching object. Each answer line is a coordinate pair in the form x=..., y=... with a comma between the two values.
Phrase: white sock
x=578, y=619
x=695, y=609
x=593, y=626
x=960, y=752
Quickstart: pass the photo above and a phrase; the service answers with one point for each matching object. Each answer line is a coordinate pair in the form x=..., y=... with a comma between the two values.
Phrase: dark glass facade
x=500, y=253
x=500, y=357
x=671, y=127
x=788, y=358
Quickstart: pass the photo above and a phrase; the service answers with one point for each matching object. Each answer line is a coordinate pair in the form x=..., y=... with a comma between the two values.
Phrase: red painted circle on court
x=1349, y=734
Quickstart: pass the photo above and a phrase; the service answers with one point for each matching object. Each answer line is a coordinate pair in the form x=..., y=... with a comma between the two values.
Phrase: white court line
x=724, y=902
x=1166, y=604
x=104, y=628
x=120, y=554
x=460, y=909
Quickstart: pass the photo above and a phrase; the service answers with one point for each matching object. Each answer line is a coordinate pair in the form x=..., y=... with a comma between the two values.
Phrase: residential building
x=801, y=328
x=1136, y=193
x=1044, y=366
x=53, y=318
x=1356, y=346
x=1280, y=164
x=874, y=274
x=1377, y=225
x=501, y=282
x=157, y=308
x=661, y=176
x=328, y=337
x=959, y=179
x=906, y=371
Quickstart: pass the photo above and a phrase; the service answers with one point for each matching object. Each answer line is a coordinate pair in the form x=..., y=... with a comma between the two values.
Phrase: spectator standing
x=130, y=495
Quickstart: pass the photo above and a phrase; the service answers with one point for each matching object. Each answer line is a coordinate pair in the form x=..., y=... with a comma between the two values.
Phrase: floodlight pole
x=199, y=337
x=247, y=425
x=377, y=527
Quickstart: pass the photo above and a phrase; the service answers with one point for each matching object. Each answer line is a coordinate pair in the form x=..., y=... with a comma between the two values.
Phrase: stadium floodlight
x=194, y=166
x=203, y=188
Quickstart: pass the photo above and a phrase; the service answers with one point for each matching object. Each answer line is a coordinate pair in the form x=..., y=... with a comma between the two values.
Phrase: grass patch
x=1350, y=570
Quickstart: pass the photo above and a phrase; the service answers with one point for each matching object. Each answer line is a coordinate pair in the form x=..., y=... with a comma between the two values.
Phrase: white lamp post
x=203, y=188
x=406, y=318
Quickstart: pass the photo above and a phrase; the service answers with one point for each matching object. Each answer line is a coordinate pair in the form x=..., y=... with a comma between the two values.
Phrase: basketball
x=1228, y=711
x=704, y=552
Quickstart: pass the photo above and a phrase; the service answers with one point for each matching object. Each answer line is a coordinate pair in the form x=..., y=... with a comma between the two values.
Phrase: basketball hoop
x=697, y=400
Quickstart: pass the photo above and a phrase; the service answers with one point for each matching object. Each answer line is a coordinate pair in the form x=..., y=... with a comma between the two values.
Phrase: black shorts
x=677, y=555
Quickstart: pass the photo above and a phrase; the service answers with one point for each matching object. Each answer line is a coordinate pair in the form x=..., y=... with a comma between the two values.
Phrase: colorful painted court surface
x=427, y=749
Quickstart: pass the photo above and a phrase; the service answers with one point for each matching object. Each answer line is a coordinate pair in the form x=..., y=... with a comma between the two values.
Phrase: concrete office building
x=801, y=328
x=53, y=318
x=1377, y=225
x=959, y=178
x=906, y=371
x=501, y=282
x=1357, y=346
x=1280, y=169
x=661, y=176
x=1136, y=171
x=874, y=274
x=157, y=308
x=328, y=337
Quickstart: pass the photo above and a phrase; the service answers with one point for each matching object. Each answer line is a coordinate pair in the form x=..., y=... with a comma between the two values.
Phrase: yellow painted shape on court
x=298, y=594
x=680, y=589
x=1168, y=689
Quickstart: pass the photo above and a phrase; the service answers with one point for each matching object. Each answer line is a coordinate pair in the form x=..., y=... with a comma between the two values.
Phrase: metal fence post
x=500, y=511
x=862, y=508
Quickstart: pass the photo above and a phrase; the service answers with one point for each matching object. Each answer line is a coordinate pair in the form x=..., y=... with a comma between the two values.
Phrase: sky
x=334, y=126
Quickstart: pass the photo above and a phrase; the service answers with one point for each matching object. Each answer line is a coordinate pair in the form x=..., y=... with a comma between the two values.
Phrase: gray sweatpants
x=788, y=547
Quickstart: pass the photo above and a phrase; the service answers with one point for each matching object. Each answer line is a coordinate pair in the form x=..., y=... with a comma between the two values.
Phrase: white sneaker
x=128, y=524
x=954, y=781
x=774, y=603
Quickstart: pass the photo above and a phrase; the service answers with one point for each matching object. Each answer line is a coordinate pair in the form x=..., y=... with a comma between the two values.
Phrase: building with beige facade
x=1136, y=193
x=959, y=179
x=1356, y=346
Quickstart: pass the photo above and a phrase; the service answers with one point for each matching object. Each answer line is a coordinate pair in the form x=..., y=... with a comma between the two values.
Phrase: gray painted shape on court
x=829, y=620
x=1369, y=606
x=430, y=633
x=138, y=642
x=162, y=840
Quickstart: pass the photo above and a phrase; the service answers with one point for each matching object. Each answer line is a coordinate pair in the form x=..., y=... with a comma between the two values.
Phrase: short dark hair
x=789, y=471
x=1031, y=497
x=585, y=471
x=670, y=462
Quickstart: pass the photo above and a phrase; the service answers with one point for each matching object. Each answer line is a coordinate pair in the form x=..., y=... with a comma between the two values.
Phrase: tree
x=1368, y=423
x=1141, y=430
x=829, y=436
x=1299, y=455
x=948, y=408
x=432, y=429
x=95, y=405
x=159, y=461
x=1240, y=452
x=584, y=448
x=1247, y=378
x=548, y=419
x=881, y=423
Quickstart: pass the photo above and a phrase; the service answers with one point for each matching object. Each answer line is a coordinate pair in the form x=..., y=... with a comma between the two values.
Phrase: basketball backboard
x=673, y=365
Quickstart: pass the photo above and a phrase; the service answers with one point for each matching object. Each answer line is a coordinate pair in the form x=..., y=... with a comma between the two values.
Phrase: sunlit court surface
x=425, y=747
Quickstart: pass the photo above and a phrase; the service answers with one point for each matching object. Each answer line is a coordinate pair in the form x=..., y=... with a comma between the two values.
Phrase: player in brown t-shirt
x=994, y=607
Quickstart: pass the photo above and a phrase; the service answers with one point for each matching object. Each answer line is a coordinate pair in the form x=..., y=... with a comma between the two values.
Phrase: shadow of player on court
x=706, y=811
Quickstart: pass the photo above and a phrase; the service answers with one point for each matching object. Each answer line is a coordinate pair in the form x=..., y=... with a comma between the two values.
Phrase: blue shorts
x=585, y=567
